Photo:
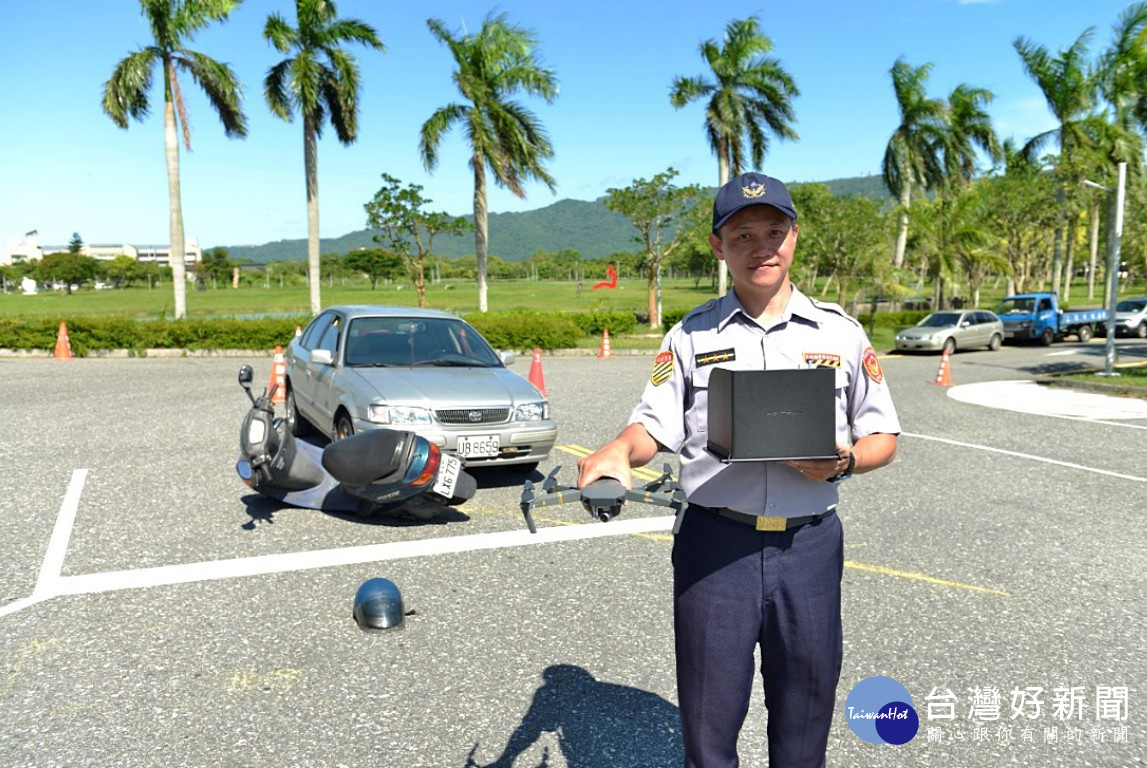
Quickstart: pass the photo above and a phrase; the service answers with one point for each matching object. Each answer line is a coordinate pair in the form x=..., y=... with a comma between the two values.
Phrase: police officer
x=759, y=556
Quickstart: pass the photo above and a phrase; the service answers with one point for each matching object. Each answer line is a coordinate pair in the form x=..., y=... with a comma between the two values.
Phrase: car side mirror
x=322, y=357
x=507, y=356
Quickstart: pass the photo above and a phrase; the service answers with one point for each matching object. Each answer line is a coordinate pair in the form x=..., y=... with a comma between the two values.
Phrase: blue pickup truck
x=1038, y=317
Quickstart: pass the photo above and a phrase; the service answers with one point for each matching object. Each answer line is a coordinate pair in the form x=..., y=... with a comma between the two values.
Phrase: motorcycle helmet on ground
x=378, y=605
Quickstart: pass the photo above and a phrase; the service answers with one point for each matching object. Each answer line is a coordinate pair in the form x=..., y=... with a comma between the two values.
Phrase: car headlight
x=532, y=411
x=399, y=415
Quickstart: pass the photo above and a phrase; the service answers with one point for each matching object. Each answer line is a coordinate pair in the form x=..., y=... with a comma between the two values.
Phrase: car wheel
x=1084, y=333
x=950, y=345
x=343, y=426
x=1047, y=337
x=1141, y=330
x=298, y=423
x=996, y=342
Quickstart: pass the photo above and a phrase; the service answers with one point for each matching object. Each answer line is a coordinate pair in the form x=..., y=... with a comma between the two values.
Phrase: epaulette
x=708, y=305
x=836, y=309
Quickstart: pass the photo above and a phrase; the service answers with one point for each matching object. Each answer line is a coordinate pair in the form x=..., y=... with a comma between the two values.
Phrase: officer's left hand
x=820, y=470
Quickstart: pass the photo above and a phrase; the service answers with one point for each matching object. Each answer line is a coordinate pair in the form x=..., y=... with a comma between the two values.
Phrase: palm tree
x=494, y=63
x=1070, y=88
x=913, y=157
x=174, y=23
x=969, y=128
x=749, y=92
x=321, y=81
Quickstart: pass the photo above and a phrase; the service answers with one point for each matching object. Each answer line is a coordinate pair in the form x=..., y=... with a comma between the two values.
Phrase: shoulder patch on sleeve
x=872, y=365
x=662, y=368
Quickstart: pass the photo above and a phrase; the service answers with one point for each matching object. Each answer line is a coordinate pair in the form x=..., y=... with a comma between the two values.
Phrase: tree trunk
x=1069, y=262
x=311, y=168
x=420, y=280
x=178, y=265
x=651, y=283
x=1057, y=251
x=1093, y=247
x=902, y=231
x=723, y=179
x=481, y=221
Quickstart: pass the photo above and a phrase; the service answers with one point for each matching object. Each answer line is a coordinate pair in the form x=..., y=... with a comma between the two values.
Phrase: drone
x=603, y=498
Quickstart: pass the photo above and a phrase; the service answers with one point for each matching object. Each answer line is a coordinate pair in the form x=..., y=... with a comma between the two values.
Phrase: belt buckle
x=772, y=523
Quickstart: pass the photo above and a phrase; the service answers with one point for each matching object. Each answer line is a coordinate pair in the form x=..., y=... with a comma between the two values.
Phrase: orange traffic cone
x=63, y=345
x=605, y=350
x=536, y=377
x=278, y=378
x=944, y=375
x=298, y=331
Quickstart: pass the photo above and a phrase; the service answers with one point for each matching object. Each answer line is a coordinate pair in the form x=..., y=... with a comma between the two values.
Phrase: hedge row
x=504, y=330
x=87, y=334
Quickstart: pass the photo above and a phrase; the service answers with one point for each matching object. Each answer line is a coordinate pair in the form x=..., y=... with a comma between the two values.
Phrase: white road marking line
x=53, y=564
x=1028, y=456
x=369, y=553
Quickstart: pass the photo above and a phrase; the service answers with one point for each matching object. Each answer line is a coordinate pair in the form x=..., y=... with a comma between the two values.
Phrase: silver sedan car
x=949, y=331
x=365, y=367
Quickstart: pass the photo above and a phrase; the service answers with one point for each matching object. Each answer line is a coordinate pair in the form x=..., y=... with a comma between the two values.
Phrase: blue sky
x=64, y=167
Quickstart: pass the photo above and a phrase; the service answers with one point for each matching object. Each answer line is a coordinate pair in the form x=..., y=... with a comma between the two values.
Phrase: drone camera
x=604, y=498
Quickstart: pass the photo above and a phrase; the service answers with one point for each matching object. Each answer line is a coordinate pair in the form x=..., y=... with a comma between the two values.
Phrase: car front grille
x=473, y=415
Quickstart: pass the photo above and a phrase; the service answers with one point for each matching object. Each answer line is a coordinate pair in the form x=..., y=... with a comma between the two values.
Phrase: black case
x=772, y=415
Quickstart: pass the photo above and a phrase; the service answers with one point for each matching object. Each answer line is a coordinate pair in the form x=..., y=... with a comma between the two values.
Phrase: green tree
x=406, y=228
x=949, y=233
x=969, y=128
x=912, y=158
x=659, y=210
x=375, y=263
x=1020, y=209
x=124, y=270
x=844, y=238
x=749, y=95
x=67, y=268
x=1069, y=87
x=217, y=264
x=173, y=24
x=76, y=244
x=505, y=138
x=320, y=81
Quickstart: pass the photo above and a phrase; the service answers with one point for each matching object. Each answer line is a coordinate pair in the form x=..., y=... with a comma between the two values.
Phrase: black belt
x=763, y=522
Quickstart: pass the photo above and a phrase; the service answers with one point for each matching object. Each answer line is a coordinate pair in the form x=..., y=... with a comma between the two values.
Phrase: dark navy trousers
x=736, y=588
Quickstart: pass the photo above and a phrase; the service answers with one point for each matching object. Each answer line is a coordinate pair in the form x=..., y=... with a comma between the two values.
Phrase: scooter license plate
x=478, y=446
x=447, y=476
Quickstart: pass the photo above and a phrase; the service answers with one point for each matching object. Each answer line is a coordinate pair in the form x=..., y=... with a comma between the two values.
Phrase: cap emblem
x=754, y=190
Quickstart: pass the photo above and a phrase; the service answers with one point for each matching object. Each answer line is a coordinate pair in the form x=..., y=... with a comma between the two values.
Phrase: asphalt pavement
x=156, y=612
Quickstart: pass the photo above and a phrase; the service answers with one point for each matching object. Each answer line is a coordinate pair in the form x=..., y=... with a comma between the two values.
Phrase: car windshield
x=421, y=341
x=940, y=320
x=1016, y=307
x=1131, y=305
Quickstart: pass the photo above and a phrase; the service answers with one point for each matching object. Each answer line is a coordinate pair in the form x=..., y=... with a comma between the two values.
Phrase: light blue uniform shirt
x=674, y=406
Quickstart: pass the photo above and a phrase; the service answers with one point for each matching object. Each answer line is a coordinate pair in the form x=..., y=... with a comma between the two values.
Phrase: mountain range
x=588, y=227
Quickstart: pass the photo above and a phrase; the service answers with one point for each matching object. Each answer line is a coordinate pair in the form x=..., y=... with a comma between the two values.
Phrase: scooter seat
x=367, y=457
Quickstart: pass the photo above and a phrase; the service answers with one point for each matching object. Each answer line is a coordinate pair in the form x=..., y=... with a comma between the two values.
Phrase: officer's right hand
x=612, y=460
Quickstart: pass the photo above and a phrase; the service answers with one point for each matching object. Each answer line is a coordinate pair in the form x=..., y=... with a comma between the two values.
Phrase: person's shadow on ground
x=597, y=724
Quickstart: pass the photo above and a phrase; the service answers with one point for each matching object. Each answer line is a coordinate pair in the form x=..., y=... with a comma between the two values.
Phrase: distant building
x=29, y=249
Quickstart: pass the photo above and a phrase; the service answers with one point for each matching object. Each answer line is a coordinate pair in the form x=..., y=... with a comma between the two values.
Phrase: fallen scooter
x=369, y=473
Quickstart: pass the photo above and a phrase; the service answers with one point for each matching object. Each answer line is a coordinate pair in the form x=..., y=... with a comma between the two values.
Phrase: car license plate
x=447, y=476
x=478, y=446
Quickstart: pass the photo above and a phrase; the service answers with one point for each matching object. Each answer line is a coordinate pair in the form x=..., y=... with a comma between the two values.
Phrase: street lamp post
x=1115, y=198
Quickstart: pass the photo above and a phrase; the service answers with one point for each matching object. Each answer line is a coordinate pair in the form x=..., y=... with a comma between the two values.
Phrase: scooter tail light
x=433, y=459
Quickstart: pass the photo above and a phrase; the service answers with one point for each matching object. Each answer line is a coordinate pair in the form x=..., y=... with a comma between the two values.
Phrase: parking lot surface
x=156, y=612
